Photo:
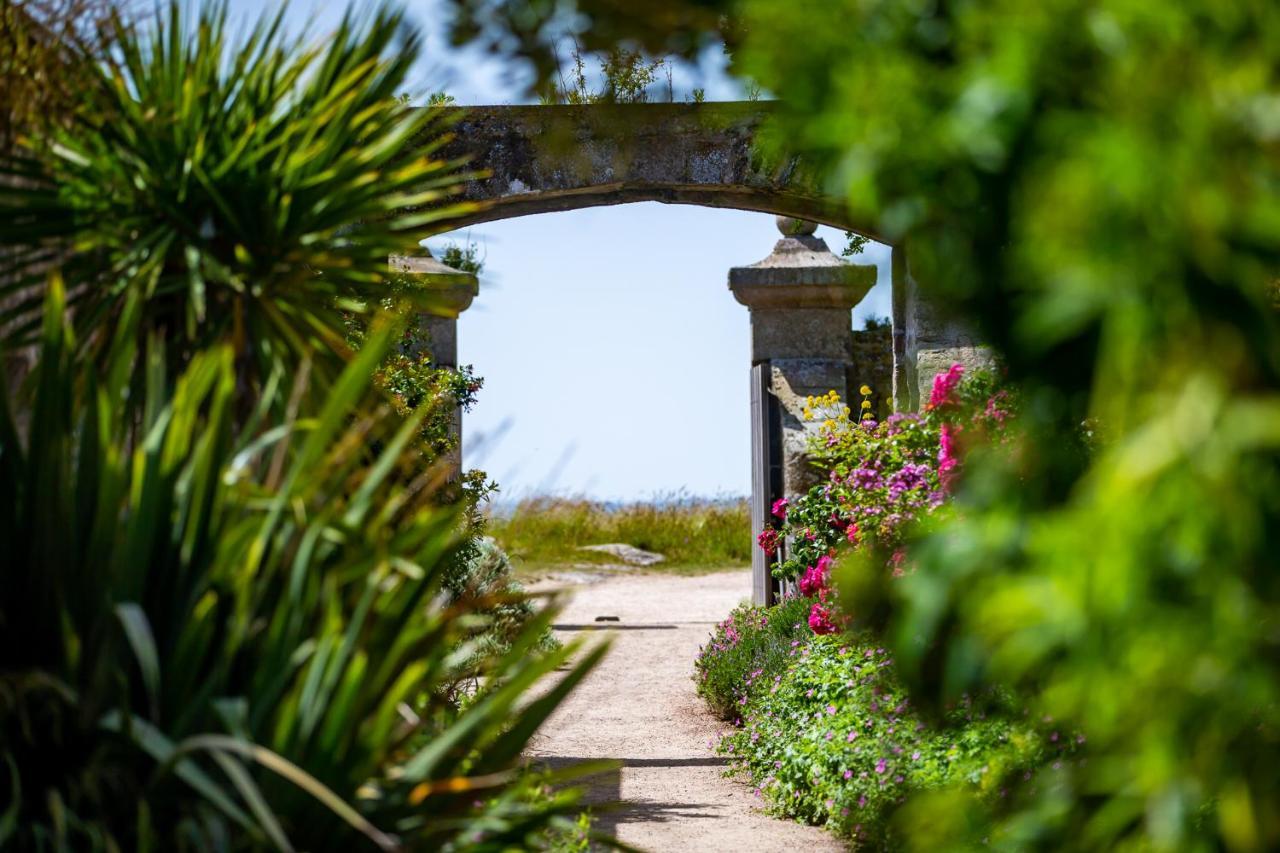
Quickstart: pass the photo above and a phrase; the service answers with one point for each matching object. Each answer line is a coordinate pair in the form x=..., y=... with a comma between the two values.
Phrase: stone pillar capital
x=801, y=272
x=800, y=298
x=447, y=292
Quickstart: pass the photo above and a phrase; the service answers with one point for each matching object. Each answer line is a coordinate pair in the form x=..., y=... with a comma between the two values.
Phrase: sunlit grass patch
x=692, y=534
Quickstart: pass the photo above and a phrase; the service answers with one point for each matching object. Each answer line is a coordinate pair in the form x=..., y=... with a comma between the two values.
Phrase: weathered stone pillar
x=447, y=293
x=800, y=298
x=927, y=340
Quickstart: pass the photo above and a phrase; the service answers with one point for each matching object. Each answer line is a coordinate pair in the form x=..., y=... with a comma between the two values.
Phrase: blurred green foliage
x=1093, y=183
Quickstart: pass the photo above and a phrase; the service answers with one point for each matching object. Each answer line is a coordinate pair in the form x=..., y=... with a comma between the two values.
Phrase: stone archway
x=541, y=159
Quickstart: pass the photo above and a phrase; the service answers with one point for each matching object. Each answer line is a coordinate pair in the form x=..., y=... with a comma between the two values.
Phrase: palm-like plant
x=216, y=641
x=221, y=619
x=250, y=190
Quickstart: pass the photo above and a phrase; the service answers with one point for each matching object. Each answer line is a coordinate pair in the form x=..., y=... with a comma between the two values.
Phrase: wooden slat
x=761, y=581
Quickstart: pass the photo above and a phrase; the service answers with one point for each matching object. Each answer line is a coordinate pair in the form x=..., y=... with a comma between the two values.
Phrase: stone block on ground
x=628, y=554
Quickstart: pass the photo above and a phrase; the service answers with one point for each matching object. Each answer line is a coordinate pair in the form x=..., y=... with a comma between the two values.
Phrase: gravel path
x=639, y=707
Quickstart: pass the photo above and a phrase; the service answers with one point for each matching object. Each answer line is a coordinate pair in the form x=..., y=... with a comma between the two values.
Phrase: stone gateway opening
x=538, y=159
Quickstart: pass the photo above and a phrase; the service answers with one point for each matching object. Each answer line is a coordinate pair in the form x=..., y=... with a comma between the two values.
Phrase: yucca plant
x=217, y=642
x=251, y=188
x=222, y=623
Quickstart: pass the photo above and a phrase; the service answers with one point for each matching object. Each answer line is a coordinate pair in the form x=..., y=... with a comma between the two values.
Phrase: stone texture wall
x=927, y=340
x=872, y=364
x=537, y=159
x=942, y=341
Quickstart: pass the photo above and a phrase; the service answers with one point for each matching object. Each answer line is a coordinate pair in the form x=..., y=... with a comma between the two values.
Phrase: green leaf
x=137, y=631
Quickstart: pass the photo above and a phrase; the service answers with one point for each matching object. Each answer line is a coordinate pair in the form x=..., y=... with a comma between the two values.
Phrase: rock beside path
x=629, y=554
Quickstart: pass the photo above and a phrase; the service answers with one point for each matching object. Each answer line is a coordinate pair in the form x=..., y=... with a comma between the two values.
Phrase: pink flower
x=944, y=386
x=852, y=533
x=815, y=578
x=947, y=459
x=896, y=560
x=995, y=407
x=881, y=765
x=820, y=620
x=848, y=774
x=768, y=541
x=780, y=508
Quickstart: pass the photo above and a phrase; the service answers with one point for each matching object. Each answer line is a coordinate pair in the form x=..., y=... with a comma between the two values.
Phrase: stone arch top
x=541, y=159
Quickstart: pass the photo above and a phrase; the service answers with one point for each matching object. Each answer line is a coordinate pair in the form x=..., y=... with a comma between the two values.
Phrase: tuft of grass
x=692, y=533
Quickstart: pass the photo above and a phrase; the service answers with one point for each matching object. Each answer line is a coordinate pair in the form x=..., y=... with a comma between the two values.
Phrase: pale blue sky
x=615, y=360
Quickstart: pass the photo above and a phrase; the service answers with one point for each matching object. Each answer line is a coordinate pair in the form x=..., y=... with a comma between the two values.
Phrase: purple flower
x=907, y=478
x=881, y=765
x=866, y=478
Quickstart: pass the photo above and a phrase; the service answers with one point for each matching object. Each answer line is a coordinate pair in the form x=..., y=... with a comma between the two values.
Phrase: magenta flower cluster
x=881, y=477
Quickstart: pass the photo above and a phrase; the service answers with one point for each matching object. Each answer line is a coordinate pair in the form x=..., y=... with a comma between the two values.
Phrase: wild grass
x=692, y=533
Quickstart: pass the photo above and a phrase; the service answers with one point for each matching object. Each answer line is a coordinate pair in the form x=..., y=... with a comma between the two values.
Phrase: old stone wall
x=872, y=365
x=927, y=340
x=540, y=159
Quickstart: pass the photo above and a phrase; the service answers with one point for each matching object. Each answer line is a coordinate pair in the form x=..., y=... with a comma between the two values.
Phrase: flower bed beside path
x=822, y=727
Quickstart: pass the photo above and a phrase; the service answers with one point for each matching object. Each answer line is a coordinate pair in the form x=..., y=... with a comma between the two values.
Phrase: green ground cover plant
x=825, y=732
x=754, y=643
x=832, y=739
x=691, y=533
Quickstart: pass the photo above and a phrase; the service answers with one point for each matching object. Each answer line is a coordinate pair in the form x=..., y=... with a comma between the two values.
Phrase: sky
x=615, y=360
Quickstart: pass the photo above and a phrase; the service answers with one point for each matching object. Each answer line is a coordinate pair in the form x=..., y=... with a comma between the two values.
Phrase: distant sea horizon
x=505, y=504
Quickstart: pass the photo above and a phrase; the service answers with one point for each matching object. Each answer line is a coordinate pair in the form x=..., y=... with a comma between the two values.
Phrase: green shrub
x=832, y=739
x=748, y=649
x=224, y=621
x=483, y=578
x=206, y=635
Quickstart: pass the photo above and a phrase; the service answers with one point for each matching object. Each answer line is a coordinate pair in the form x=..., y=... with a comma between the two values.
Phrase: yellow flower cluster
x=827, y=406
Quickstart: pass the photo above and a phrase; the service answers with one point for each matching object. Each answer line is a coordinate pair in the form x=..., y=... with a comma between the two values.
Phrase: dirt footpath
x=639, y=707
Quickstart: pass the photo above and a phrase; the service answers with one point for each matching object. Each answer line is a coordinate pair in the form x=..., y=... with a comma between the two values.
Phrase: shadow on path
x=603, y=791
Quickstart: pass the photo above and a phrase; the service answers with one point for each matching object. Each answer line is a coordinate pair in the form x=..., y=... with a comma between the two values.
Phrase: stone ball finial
x=789, y=226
